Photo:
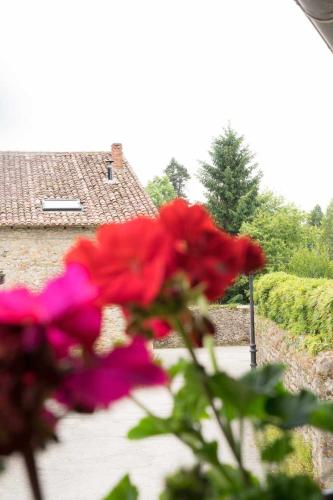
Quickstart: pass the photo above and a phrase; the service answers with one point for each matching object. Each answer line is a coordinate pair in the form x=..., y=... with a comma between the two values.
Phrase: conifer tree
x=178, y=176
x=316, y=216
x=231, y=181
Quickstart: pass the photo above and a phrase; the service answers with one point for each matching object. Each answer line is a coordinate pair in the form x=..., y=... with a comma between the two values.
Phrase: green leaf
x=209, y=452
x=178, y=368
x=238, y=398
x=278, y=450
x=280, y=487
x=322, y=417
x=293, y=410
x=150, y=426
x=124, y=490
x=189, y=484
x=264, y=380
x=190, y=402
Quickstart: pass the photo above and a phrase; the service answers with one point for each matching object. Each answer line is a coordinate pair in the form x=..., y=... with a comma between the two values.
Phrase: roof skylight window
x=61, y=205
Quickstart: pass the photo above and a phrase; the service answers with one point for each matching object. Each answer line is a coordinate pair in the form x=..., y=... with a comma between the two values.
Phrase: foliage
x=262, y=399
x=160, y=190
x=281, y=230
x=124, y=490
x=328, y=228
x=231, y=181
x=304, y=306
x=316, y=216
x=293, y=455
x=178, y=176
x=238, y=293
x=311, y=264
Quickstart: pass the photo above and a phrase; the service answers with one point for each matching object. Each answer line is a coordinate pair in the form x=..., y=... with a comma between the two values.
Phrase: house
x=47, y=200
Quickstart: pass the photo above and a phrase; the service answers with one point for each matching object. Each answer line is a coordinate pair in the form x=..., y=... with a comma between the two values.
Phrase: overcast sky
x=164, y=77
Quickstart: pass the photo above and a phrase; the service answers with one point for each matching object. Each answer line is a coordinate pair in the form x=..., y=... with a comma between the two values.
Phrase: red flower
x=206, y=254
x=159, y=327
x=111, y=377
x=128, y=261
x=253, y=257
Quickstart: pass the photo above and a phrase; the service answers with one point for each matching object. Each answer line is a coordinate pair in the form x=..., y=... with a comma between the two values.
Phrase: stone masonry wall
x=303, y=371
x=31, y=256
x=232, y=327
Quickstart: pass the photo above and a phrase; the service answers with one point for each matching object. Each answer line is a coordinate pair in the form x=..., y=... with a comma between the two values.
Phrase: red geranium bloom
x=111, y=377
x=206, y=254
x=253, y=257
x=128, y=261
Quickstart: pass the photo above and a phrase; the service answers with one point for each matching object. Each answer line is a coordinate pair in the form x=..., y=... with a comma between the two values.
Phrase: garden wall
x=303, y=371
x=232, y=325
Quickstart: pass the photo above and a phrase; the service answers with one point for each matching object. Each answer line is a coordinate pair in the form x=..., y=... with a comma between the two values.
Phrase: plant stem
x=32, y=472
x=178, y=435
x=226, y=430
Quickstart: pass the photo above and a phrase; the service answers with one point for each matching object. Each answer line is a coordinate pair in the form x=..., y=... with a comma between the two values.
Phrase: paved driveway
x=94, y=452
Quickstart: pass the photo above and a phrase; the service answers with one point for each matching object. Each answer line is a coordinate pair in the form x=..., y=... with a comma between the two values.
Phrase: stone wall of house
x=232, y=327
x=31, y=256
x=303, y=371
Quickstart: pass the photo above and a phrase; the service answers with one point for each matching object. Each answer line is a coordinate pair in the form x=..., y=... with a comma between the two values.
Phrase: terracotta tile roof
x=26, y=179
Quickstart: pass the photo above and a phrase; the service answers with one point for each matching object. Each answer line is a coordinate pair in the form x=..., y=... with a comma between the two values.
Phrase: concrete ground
x=94, y=452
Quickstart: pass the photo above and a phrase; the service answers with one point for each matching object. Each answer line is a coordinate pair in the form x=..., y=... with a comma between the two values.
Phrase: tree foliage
x=178, y=176
x=316, y=216
x=281, y=229
x=311, y=264
x=160, y=190
x=231, y=181
x=328, y=228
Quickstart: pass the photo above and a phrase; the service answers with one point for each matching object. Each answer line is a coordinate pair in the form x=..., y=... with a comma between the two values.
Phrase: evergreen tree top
x=231, y=180
x=178, y=176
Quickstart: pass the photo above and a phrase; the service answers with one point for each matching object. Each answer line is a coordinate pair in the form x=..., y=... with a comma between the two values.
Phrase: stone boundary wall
x=232, y=325
x=314, y=373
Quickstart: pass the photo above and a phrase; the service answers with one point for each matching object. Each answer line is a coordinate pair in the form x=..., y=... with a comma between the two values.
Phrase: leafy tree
x=178, y=176
x=160, y=190
x=328, y=228
x=316, y=216
x=281, y=229
x=311, y=264
x=231, y=181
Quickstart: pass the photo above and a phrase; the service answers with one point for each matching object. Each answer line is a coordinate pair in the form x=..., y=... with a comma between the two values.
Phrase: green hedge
x=304, y=306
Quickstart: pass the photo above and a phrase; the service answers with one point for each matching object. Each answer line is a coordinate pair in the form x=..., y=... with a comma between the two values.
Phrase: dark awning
x=320, y=13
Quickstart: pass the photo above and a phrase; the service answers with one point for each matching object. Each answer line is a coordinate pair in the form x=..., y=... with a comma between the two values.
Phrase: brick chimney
x=117, y=155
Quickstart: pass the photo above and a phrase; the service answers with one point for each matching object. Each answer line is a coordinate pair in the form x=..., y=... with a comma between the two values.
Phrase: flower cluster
x=153, y=269
x=153, y=266
x=47, y=353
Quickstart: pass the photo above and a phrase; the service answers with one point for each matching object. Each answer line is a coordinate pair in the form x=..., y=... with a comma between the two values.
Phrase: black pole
x=253, y=347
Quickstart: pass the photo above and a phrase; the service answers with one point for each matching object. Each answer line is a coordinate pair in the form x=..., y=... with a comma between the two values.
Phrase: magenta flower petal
x=19, y=306
x=67, y=292
x=68, y=307
x=112, y=377
x=82, y=326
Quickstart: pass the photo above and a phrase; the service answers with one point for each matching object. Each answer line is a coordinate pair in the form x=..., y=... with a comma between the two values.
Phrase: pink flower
x=111, y=377
x=65, y=309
